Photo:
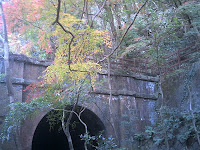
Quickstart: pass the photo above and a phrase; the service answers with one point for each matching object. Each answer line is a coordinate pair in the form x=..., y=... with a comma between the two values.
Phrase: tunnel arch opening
x=45, y=138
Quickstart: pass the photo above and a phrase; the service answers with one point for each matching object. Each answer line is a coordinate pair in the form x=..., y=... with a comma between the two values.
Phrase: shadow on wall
x=55, y=139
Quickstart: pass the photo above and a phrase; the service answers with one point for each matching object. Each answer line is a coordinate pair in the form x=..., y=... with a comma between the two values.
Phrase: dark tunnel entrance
x=55, y=139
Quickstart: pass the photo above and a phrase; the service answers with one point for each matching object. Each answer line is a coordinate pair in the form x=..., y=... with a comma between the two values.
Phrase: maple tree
x=23, y=24
x=75, y=58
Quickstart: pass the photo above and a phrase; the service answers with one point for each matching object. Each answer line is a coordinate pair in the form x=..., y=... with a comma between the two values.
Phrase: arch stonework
x=130, y=110
x=29, y=127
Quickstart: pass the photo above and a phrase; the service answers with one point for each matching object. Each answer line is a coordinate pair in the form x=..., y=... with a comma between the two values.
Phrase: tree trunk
x=65, y=126
x=110, y=17
x=66, y=129
x=69, y=138
x=6, y=57
x=4, y=39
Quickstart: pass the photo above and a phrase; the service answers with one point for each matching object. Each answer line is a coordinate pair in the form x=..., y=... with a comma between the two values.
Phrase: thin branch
x=77, y=114
x=124, y=33
x=1, y=39
x=26, y=21
x=83, y=11
x=86, y=11
x=74, y=4
x=98, y=13
x=68, y=32
x=6, y=57
x=4, y=23
x=65, y=126
x=58, y=13
x=70, y=43
x=66, y=129
x=52, y=3
x=74, y=107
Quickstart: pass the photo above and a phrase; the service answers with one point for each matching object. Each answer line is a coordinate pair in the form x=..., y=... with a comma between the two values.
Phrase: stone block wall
x=129, y=111
x=24, y=71
x=131, y=108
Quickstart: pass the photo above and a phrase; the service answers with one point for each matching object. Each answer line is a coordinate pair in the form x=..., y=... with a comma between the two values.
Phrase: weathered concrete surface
x=24, y=71
x=176, y=92
x=130, y=110
x=175, y=88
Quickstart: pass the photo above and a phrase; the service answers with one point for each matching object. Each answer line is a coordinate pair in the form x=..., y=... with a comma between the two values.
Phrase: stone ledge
x=126, y=93
x=25, y=59
x=19, y=81
x=135, y=76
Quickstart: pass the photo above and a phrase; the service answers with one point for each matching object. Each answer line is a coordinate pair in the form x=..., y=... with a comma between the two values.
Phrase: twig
x=52, y=3
x=83, y=11
x=70, y=117
x=26, y=21
x=98, y=13
x=66, y=31
x=124, y=33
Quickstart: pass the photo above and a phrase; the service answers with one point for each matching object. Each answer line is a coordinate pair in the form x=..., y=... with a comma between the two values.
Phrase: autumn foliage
x=30, y=28
x=21, y=13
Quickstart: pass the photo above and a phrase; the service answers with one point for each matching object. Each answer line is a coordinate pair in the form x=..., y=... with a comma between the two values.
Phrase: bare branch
x=6, y=57
x=52, y=3
x=1, y=39
x=124, y=33
x=98, y=12
x=77, y=114
x=26, y=21
x=58, y=13
x=66, y=31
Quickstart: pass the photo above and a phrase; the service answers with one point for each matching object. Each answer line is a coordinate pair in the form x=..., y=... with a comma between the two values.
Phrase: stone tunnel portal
x=51, y=139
